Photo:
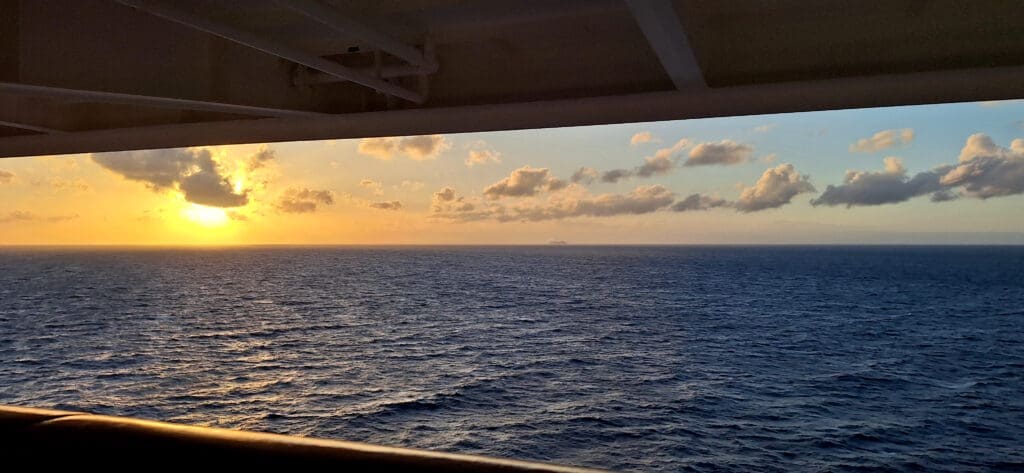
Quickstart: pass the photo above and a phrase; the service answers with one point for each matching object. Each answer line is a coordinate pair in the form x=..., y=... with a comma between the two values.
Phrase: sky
x=936, y=174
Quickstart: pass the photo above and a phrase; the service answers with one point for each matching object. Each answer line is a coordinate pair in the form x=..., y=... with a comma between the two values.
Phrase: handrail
x=49, y=437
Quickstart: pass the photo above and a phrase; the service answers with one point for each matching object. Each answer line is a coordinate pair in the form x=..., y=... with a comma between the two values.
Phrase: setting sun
x=205, y=216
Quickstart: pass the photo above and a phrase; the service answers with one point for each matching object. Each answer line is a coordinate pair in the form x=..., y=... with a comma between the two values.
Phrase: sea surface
x=628, y=358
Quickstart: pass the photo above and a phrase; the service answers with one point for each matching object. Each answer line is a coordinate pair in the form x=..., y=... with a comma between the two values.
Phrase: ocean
x=771, y=358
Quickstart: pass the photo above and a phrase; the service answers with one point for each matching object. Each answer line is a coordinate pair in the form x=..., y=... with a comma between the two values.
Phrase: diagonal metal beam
x=660, y=24
x=14, y=88
x=254, y=41
x=26, y=126
x=344, y=24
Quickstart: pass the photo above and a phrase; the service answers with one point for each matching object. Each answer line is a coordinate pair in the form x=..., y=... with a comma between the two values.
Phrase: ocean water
x=628, y=358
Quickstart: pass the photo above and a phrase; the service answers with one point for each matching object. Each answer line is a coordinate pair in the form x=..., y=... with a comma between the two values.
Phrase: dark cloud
x=191, y=171
x=776, y=187
x=302, y=200
x=699, y=202
x=524, y=182
x=446, y=201
x=584, y=175
x=725, y=153
x=616, y=175
x=387, y=205
x=210, y=188
x=984, y=170
x=261, y=158
x=890, y=186
x=655, y=165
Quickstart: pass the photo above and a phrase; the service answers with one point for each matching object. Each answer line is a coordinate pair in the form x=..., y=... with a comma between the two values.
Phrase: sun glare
x=206, y=216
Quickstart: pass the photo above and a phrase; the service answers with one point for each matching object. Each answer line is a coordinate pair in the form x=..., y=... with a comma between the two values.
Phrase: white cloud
x=418, y=148
x=776, y=187
x=643, y=137
x=883, y=140
x=482, y=156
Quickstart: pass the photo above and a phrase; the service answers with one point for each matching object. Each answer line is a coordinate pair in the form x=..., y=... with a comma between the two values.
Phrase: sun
x=205, y=216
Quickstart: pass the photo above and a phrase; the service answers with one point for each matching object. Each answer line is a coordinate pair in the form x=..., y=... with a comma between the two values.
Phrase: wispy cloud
x=374, y=186
x=6, y=176
x=386, y=205
x=25, y=216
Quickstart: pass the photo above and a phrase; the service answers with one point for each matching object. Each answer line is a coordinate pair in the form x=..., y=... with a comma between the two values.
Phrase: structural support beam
x=342, y=23
x=859, y=92
x=251, y=40
x=660, y=24
x=14, y=88
x=26, y=126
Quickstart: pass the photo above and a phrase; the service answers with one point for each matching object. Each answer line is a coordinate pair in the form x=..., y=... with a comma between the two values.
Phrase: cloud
x=725, y=153
x=584, y=175
x=24, y=216
x=524, y=182
x=302, y=200
x=447, y=201
x=482, y=156
x=263, y=156
x=208, y=187
x=882, y=140
x=643, y=137
x=418, y=148
x=769, y=158
x=986, y=170
x=193, y=172
x=764, y=128
x=6, y=176
x=861, y=188
x=387, y=205
x=699, y=202
x=655, y=165
x=237, y=216
x=776, y=187
x=642, y=200
x=615, y=175
x=374, y=186
x=58, y=183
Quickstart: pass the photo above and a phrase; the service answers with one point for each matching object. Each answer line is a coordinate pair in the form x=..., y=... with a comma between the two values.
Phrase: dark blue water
x=636, y=358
